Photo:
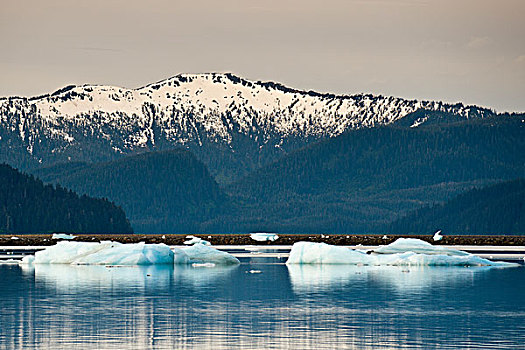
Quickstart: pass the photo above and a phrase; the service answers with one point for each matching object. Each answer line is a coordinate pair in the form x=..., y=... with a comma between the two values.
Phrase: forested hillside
x=357, y=182
x=168, y=191
x=363, y=179
x=29, y=206
x=495, y=209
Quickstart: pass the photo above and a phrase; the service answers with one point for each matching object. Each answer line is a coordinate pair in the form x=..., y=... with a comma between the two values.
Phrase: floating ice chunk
x=62, y=236
x=195, y=240
x=403, y=252
x=402, y=245
x=263, y=237
x=322, y=253
x=107, y=253
x=200, y=253
x=117, y=254
x=437, y=236
x=419, y=259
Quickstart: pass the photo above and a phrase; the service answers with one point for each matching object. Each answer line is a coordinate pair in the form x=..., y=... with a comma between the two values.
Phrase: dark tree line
x=29, y=206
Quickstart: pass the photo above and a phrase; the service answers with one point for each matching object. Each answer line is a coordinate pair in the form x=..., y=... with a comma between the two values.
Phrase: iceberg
x=62, y=236
x=437, y=236
x=106, y=253
x=402, y=252
x=114, y=253
x=322, y=253
x=263, y=237
x=200, y=253
x=402, y=245
x=195, y=240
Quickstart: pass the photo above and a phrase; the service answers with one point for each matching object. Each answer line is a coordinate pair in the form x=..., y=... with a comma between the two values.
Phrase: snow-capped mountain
x=93, y=122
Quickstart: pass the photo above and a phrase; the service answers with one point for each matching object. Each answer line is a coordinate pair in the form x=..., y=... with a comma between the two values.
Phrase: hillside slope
x=29, y=206
x=363, y=179
x=169, y=191
x=495, y=209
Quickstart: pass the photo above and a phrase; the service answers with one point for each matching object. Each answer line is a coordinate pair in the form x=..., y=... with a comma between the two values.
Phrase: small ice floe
x=437, y=236
x=263, y=237
x=62, y=236
x=195, y=240
x=14, y=238
x=402, y=252
x=254, y=271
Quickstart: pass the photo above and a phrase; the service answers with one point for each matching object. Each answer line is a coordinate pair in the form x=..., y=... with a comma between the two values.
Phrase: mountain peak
x=198, y=108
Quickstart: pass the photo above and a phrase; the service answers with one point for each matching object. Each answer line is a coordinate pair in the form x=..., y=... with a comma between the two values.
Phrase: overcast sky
x=453, y=50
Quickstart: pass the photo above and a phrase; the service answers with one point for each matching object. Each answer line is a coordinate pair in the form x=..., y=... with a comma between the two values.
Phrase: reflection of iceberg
x=202, y=276
x=403, y=252
x=316, y=278
x=89, y=277
x=114, y=253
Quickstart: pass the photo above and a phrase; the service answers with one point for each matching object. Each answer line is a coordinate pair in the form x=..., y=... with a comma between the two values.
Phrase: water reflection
x=82, y=277
x=316, y=278
x=306, y=307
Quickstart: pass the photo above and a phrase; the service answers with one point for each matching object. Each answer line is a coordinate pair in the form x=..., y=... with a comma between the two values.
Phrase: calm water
x=307, y=307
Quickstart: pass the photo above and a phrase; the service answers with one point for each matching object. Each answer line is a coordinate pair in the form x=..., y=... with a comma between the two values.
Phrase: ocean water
x=261, y=305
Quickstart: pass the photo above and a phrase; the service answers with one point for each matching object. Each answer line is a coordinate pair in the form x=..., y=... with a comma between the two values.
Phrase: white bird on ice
x=437, y=236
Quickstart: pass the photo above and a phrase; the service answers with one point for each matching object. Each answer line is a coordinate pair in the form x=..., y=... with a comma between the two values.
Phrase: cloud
x=479, y=42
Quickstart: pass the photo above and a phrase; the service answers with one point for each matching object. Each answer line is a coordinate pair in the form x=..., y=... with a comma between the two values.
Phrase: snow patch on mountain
x=192, y=107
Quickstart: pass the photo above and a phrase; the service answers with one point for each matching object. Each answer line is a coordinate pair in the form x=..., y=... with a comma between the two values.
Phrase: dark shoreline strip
x=284, y=239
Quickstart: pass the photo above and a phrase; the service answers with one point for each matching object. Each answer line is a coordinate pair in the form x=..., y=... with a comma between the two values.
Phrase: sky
x=470, y=51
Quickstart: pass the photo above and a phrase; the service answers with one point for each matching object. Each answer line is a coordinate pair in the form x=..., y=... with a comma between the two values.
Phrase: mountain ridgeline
x=232, y=124
x=219, y=153
x=29, y=206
